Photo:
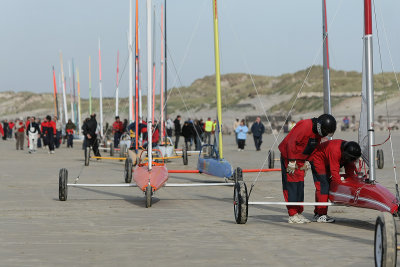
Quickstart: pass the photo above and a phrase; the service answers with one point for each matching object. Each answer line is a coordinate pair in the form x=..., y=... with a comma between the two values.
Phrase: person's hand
x=306, y=166
x=292, y=166
x=89, y=136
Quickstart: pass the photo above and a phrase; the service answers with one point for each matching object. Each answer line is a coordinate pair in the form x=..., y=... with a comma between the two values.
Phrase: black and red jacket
x=327, y=160
x=48, y=127
x=300, y=142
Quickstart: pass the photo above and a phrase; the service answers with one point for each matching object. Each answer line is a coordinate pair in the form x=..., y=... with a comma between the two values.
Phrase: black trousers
x=257, y=141
x=94, y=144
x=241, y=143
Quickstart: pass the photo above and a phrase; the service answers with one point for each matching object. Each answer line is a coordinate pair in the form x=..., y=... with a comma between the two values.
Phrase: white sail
x=363, y=127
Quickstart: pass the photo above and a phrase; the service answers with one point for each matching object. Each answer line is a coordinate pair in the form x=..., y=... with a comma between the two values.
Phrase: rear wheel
x=87, y=155
x=122, y=151
x=240, y=202
x=238, y=174
x=271, y=159
x=385, y=248
x=149, y=193
x=111, y=149
x=379, y=158
x=128, y=171
x=185, y=156
x=62, y=184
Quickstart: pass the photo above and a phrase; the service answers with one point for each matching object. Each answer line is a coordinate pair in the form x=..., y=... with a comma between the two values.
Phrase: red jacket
x=11, y=125
x=22, y=127
x=327, y=160
x=1, y=130
x=118, y=127
x=47, y=126
x=300, y=141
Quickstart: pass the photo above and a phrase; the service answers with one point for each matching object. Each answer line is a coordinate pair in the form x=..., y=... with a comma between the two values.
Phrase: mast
x=130, y=64
x=137, y=77
x=327, y=86
x=101, y=94
x=79, y=102
x=165, y=59
x=218, y=79
x=140, y=80
x=73, y=86
x=61, y=106
x=369, y=82
x=90, y=90
x=116, y=92
x=70, y=92
x=55, y=95
x=154, y=63
x=149, y=87
x=162, y=77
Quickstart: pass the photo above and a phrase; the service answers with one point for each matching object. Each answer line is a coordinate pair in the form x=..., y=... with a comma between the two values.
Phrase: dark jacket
x=90, y=127
x=178, y=130
x=33, y=127
x=188, y=130
x=257, y=129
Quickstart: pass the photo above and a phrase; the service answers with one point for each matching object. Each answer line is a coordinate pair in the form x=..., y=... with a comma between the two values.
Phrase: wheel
x=122, y=151
x=271, y=159
x=380, y=159
x=185, y=156
x=62, y=184
x=111, y=149
x=240, y=202
x=128, y=171
x=238, y=174
x=87, y=155
x=385, y=248
x=149, y=193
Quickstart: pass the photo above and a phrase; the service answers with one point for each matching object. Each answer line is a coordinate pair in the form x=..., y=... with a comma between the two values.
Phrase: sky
x=265, y=37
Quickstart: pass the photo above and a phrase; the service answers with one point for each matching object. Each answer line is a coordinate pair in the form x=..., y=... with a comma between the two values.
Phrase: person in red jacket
x=326, y=162
x=49, y=131
x=295, y=150
x=117, y=130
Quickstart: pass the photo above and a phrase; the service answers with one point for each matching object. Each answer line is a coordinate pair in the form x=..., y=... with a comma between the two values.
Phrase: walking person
x=208, y=129
x=169, y=126
x=89, y=130
x=241, y=133
x=70, y=129
x=11, y=125
x=33, y=134
x=5, y=129
x=187, y=132
x=20, y=134
x=117, y=129
x=258, y=129
x=198, y=135
x=49, y=130
x=236, y=123
x=59, y=126
x=178, y=131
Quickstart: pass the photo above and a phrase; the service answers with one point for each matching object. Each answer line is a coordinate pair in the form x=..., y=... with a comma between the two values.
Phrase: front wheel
x=87, y=155
x=385, y=248
x=185, y=156
x=240, y=202
x=63, y=184
x=128, y=171
x=149, y=193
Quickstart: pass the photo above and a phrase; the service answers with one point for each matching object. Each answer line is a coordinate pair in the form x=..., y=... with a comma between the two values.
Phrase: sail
x=363, y=127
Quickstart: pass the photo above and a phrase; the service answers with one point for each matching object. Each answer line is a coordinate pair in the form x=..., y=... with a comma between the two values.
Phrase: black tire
x=238, y=174
x=385, y=247
x=271, y=159
x=240, y=202
x=128, y=171
x=111, y=149
x=87, y=155
x=122, y=151
x=62, y=184
x=185, y=156
x=379, y=158
x=149, y=193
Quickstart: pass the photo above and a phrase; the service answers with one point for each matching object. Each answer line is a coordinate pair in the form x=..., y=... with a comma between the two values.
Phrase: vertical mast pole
x=61, y=106
x=327, y=86
x=101, y=94
x=165, y=58
x=116, y=92
x=149, y=87
x=218, y=79
x=137, y=77
x=70, y=92
x=130, y=48
x=140, y=80
x=162, y=76
x=90, y=90
x=73, y=86
x=79, y=102
x=154, y=63
x=369, y=85
x=55, y=95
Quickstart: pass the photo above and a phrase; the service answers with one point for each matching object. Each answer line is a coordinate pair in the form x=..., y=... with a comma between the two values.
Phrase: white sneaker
x=301, y=216
x=323, y=219
x=52, y=152
x=296, y=219
x=239, y=149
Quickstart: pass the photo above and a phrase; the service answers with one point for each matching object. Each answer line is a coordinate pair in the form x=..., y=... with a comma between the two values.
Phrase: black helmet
x=326, y=124
x=351, y=151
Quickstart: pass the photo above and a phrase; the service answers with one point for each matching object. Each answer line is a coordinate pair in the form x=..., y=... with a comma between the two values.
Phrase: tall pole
x=90, y=90
x=61, y=106
x=218, y=79
x=101, y=94
x=137, y=77
x=154, y=64
x=70, y=91
x=165, y=58
x=73, y=86
x=369, y=85
x=116, y=92
x=140, y=80
x=149, y=87
x=79, y=102
x=162, y=75
x=55, y=95
x=327, y=86
x=130, y=64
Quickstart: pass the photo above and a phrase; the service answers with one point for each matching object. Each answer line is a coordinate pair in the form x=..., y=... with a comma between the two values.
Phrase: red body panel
x=356, y=192
x=158, y=176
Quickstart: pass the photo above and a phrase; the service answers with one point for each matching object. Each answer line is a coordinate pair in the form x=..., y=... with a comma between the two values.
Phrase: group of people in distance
x=302, y=150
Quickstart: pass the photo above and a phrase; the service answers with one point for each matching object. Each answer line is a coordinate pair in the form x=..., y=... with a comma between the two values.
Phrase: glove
x=291, y=167
x=306, y=166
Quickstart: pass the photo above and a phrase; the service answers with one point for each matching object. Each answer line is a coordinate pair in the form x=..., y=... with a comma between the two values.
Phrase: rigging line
x=295, y=100
x=386, y=102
